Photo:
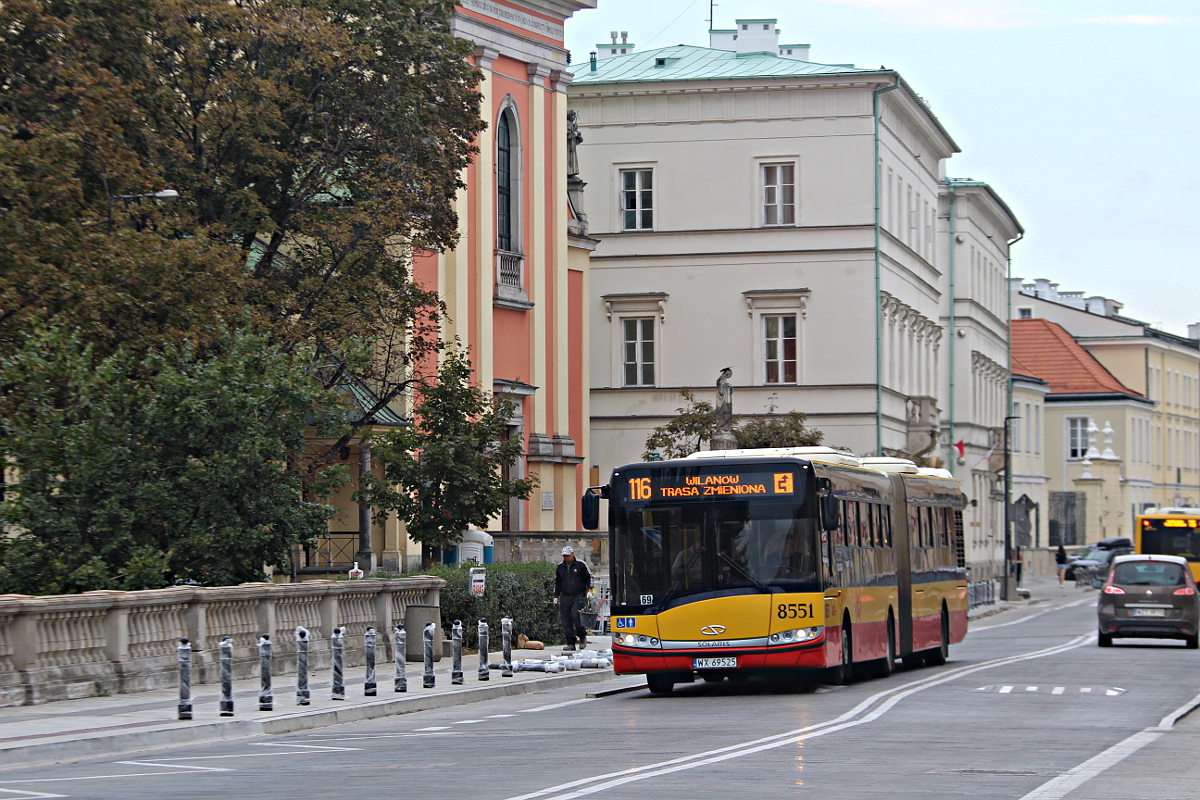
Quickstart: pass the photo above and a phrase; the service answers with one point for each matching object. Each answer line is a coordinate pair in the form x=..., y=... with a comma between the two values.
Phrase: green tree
x=449, y=468
x=136, y=471
x=686, y=433
x=315, y=144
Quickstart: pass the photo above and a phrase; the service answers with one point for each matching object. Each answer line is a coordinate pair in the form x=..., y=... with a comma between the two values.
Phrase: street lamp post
x=1008, y=588
x=162, y=194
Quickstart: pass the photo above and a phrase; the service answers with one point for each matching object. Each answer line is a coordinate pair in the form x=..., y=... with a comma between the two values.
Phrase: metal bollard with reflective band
x=483, y=650
x=226, y=650
x=303, y=695
x=428, y=636
x=456, y=633
x=400, y=650
x=185, y=679
x=265, y=701
x=506, y=645
x=335, y=646
x=369, y=655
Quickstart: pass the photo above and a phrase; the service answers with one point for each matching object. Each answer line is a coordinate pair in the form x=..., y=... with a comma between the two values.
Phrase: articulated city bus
x=728, y=563
x=1170, y=532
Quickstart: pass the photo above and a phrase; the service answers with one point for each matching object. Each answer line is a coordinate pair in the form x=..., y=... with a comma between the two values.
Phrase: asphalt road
x=1028, y=707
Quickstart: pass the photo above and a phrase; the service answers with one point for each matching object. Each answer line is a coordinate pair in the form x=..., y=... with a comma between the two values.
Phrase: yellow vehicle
x=1170, y=532
x=732, y=562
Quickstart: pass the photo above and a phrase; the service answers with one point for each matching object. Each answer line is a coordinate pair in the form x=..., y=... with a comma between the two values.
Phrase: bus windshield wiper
x=762, y=587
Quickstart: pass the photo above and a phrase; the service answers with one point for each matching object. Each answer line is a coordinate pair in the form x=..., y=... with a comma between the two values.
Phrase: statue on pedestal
x=723, y=438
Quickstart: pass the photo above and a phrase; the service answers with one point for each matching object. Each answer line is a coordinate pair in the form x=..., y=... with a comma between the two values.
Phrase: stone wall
x=99, y=643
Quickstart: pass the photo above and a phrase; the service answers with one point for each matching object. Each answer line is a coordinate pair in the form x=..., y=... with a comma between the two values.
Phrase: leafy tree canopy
x=314, y=144
x=688, y=432
x=137, y=473
x=448, y=467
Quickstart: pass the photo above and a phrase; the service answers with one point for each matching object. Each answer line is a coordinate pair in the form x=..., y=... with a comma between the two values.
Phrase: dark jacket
x=573, y=578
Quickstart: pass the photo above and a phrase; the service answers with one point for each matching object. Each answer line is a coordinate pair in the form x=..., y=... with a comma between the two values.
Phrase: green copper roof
x=689, y=63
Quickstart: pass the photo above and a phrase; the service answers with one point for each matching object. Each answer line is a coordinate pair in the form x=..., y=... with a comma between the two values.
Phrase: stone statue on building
x=723, y=438
x=574, y=139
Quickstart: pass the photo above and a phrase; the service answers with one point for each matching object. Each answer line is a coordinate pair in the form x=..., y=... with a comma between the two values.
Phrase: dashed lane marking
x=1012, y=688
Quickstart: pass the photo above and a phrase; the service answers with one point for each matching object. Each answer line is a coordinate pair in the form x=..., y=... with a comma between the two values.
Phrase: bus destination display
x=676, y=486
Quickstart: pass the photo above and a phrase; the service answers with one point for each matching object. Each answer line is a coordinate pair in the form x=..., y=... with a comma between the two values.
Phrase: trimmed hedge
x=522, y=591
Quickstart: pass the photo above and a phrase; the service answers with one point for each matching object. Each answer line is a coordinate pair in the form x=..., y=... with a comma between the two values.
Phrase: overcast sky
x=1081, y=114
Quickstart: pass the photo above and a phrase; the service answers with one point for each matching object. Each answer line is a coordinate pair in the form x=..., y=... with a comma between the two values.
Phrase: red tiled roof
x=1044, y=350
x=1020, y=369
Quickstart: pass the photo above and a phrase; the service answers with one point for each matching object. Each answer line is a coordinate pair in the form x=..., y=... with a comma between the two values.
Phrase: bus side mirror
x=590, y=507
x=829, y=504
x=829, y=512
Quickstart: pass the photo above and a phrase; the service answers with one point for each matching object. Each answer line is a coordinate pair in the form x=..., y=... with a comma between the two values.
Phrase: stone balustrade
x=100, y=643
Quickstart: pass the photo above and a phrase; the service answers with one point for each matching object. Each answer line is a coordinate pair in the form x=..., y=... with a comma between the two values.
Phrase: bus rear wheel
x=659, y=683
x=938, y=655
x=884, y=666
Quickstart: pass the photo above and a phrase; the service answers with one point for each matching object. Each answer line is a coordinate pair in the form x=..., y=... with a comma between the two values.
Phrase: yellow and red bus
x=1171, y=532
x=729, y=563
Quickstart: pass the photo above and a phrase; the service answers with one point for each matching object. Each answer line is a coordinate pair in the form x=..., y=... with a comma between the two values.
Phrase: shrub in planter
x=523, y=592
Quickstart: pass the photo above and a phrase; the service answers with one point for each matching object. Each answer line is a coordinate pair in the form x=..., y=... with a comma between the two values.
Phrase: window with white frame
x=779, y=348
x=637, y=199
x=1077, y=437
x=777, y=317
x=779, y=194
x=637, y=348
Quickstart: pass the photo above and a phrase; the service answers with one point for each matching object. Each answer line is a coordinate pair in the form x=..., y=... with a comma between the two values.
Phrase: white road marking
x=1060, y=787
x=1005, y=689
x=435, y=728
x=468, y=721
x=868, y=710
x=1031, y=688
x=1058, y=690
x=500, y=716
x=983, y=627
x=30, y=794
x=556, y=705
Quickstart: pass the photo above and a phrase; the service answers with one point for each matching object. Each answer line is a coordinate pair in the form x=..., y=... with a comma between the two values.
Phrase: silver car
x=1149, y=596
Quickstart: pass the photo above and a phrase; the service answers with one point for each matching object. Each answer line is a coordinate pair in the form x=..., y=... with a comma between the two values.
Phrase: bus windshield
x=1177, y=536
x=663, y=552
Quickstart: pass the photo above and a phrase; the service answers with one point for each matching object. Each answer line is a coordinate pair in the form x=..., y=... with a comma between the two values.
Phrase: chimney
x=757, y=36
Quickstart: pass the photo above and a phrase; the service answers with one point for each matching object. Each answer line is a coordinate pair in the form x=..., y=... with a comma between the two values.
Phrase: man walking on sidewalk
x=571, y=583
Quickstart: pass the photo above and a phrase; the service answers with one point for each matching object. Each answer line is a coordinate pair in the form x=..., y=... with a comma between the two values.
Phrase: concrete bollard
x=303, y=695
x=483, y=650
x=265, y=701
x=456, y=672
x=400, y=649
x=335, y=646
x=506, y=647
x=185, y=679
x=226, y=658
x=369, y=650
x=428, y=637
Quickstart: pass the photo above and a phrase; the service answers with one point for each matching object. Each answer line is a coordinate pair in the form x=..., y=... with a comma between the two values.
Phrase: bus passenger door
x=902, y=545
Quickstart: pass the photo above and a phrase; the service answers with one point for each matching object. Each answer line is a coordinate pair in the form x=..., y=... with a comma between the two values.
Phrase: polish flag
x=961, y=447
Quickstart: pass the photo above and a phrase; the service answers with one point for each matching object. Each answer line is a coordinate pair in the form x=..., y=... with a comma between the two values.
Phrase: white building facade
x=788, y=219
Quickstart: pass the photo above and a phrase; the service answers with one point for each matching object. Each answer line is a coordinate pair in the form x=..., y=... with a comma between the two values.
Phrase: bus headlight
x=798, y=635
x=639, y=640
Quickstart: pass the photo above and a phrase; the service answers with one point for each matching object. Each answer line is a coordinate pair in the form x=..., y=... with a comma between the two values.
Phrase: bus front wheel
x=659, y=683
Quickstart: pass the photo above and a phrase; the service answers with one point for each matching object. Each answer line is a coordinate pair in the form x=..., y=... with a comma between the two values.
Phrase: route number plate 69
x=715, y=663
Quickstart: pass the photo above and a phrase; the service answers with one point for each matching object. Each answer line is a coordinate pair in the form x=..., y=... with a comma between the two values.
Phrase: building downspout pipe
x=953, y=333
x=1009, y=593
x=878, y=271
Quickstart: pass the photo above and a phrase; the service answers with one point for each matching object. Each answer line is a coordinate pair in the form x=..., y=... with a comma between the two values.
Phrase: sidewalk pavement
x=1044, y=592
x=69, y=730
